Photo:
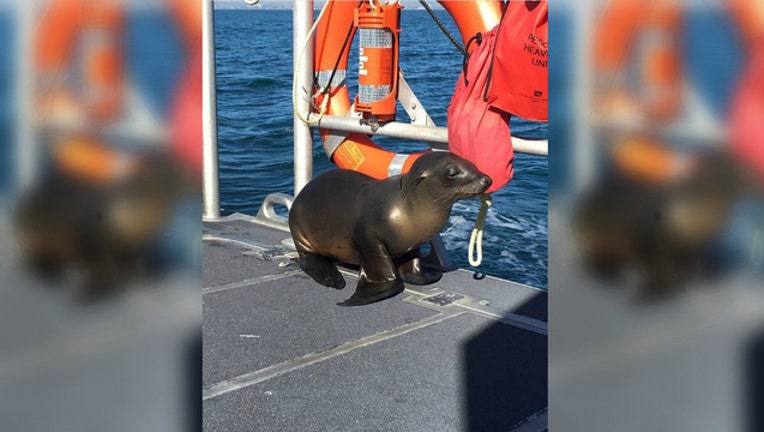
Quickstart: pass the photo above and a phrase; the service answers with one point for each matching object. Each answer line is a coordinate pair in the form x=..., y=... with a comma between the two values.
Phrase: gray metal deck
x=280, y=355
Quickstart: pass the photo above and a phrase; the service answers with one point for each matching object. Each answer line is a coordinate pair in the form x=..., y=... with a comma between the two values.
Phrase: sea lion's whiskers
x=445, y=197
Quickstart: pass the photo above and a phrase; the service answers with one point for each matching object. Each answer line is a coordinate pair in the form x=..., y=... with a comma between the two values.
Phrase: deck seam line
x=241, y=242
x=250, y=282
x=509, y=318
x=470, y=303
x=273, y=371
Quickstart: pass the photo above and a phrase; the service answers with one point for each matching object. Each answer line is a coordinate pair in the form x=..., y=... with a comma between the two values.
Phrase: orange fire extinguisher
x=379, y=28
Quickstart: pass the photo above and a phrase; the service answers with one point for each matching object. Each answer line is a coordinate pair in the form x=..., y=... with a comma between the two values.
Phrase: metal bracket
x=267, y=214
x=438, y=257
x=443, y=299
x=411, y=104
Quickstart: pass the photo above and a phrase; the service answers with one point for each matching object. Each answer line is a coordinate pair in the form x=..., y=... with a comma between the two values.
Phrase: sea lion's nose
x=486, y=181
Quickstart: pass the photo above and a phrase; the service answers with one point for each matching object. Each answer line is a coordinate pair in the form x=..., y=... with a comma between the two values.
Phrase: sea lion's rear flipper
x=379, y=277
x=425, y=276
x=321, y=270
x=412, y=272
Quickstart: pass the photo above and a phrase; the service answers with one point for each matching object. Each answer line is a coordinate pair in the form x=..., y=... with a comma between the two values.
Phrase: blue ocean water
x=254, y=79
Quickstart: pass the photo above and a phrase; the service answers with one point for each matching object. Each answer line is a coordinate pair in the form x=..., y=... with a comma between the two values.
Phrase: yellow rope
x=476, y=239
x=325, y=102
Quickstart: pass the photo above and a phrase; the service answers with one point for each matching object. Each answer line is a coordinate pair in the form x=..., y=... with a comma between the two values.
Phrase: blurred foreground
x=100, y=216
x=657, y=232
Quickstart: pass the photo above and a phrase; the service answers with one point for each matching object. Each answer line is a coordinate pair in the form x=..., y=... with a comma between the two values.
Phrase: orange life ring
x=99, y=27
x=358, y=151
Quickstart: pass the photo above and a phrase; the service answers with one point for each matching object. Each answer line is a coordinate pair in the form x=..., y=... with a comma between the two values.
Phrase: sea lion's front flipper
x=321, y=270
x=379, y=277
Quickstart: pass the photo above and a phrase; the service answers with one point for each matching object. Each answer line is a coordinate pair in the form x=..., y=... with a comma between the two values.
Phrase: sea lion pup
x=662, y=230
x=350, y=217
x=105, y=230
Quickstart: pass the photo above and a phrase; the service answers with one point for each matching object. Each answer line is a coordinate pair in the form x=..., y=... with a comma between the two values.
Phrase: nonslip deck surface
x=280, y=355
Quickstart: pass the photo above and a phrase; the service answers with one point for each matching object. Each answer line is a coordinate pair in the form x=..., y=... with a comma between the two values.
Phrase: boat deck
x=280, y=355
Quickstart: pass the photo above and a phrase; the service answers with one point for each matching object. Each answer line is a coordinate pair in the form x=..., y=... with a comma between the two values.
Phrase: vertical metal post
x=303, y=137
x=27, y=147
x=584, y=154
x=210, y=191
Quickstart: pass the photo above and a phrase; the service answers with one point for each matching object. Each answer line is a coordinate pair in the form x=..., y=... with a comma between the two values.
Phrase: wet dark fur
x=346, y=216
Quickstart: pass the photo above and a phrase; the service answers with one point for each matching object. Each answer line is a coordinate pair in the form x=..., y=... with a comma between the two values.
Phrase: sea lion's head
x=447, y=177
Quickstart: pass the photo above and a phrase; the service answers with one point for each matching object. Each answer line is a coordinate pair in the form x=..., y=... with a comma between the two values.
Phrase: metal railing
x=210, y=187
x=303, y=136
x=435, y=136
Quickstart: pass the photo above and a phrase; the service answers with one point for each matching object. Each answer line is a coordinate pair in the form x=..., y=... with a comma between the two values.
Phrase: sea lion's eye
x=453, y=171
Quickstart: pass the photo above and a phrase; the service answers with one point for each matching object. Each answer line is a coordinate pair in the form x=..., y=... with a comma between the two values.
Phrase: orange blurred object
x=646, y=159
x=87, y=159
x=633, y=33
x=188, y=15
x=747, y=110
x=749, y=17
x=186, y=111
x=96, y=27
